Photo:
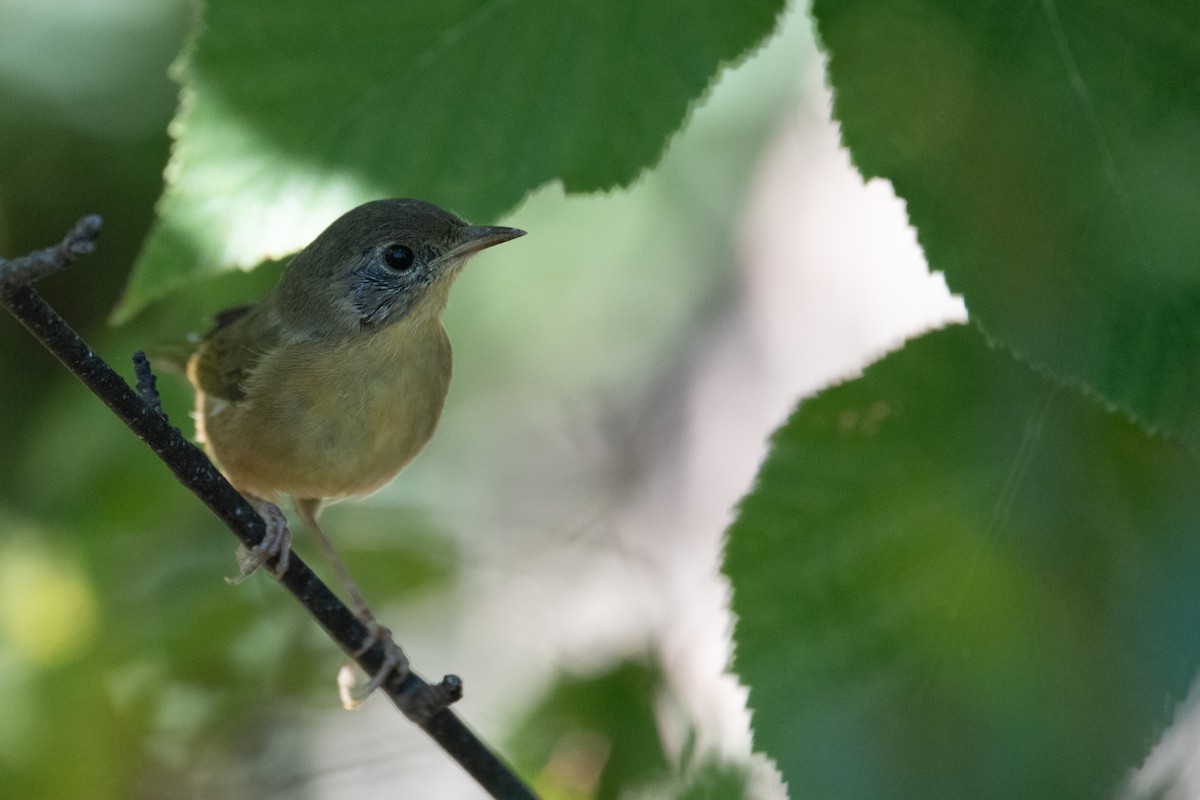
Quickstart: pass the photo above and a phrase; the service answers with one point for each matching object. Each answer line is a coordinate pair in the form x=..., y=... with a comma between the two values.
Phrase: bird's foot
x=276, y=543
x=394, y=661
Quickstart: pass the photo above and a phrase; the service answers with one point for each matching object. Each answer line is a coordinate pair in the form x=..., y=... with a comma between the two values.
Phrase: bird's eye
x=398, y=257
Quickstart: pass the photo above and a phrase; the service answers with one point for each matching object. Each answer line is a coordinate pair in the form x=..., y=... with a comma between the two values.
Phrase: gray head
x=376, y=265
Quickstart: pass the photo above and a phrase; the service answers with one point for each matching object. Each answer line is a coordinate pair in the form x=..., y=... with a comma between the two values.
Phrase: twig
x=147, y=385
x=425, y=705
x=79, y=241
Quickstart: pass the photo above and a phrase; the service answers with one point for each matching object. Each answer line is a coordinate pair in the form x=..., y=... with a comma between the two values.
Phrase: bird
x=332, y=383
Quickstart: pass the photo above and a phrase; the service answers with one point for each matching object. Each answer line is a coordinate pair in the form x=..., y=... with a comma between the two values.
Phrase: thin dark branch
x=79, y=241
x=422, y=703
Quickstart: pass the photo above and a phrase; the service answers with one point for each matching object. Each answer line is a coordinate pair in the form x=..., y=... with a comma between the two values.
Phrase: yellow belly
x=322, y=421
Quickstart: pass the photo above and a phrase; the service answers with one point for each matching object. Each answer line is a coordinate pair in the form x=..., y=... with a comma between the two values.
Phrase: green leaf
x=294, y=112
x=595, y=736
x=956, y=578
x=716, y=780
x=1047, y=153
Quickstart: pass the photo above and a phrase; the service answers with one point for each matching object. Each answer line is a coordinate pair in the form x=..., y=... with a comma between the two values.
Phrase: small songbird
x=331, y=384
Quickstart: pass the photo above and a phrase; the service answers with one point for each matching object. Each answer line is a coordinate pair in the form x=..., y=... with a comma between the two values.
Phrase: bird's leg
x=394, y=658
x=276, y=541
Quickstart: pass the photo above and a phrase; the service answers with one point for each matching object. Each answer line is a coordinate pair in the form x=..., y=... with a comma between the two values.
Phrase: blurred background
x=557, y=544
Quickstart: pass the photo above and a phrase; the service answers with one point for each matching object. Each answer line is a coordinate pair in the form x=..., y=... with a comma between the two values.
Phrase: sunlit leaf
x=294, y=112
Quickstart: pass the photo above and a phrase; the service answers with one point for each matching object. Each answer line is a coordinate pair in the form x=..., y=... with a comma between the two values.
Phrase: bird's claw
x=276, y=543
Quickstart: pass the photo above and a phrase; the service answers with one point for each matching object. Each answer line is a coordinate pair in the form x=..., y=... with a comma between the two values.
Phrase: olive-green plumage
x=332, y=383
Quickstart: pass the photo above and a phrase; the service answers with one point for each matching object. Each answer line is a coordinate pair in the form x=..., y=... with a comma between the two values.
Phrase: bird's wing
x=230, y=351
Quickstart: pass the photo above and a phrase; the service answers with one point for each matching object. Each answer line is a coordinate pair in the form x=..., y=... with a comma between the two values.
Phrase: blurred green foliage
x=127, y=668
x=595, y=736
x=957, y=576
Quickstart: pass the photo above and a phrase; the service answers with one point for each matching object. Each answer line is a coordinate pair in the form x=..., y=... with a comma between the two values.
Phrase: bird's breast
x=339, y=420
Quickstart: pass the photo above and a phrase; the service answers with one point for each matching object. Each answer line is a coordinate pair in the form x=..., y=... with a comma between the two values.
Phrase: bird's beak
x=474, y=238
